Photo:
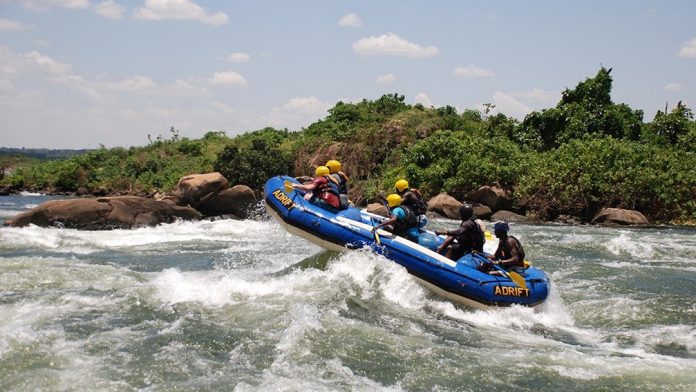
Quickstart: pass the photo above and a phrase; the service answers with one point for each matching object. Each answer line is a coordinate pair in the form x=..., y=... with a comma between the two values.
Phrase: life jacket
x=471, y=239
x=505, y=250
x=402, y=225
x=416, y=204
x=340, y=179
x=330, y=187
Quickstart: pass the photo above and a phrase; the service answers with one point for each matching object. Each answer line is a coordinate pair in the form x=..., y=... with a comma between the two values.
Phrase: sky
x=85, y=73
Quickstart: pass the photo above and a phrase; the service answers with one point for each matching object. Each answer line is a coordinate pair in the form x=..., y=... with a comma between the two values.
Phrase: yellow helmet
x=334, y=166
x=394, y=200
x=321, y=171
x=401, y=185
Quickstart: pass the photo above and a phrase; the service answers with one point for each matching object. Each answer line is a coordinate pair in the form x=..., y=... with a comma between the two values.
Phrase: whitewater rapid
x=243, y=305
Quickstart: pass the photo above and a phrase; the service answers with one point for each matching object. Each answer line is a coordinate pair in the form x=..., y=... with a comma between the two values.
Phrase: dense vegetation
x=585, y=153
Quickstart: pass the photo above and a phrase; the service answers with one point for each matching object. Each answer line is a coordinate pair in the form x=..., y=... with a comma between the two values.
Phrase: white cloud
x=386, y=78
x=178, y=10
x=42, y=5
x=109, y=9
x=46, y=63
x=392, y=45
x=688, y=50
x=508, y=105
x=543, y=97
x=12, y=25
x=228, y=78
x=472, y=71
x=674, y=87
x=297, y=112
x=423, y=99
x=350, y=20
x=238, y=57
x=136, y=83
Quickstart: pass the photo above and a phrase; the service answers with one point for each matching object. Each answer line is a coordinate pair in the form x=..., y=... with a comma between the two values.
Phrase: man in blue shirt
x=403, y=221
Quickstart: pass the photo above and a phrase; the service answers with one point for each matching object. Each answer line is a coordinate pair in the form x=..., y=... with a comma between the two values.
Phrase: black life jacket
x=341, y=180
x=506, y=250
x=416, y=204
x=402, y=225
x=471, y=239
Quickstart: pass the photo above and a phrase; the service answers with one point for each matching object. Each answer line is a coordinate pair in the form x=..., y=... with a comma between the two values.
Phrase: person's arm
x=305, y=187
x=389, y=221
x=445, y=244
x=514, y=254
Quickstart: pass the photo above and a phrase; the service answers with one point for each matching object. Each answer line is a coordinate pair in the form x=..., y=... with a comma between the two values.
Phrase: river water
x=244, y=306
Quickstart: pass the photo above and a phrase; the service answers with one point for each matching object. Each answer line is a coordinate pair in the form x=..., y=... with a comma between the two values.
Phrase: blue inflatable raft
x=459, y=281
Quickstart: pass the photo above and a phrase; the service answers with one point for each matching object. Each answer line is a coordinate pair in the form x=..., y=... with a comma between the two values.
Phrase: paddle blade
x=288, y=186
x=517, y=279
x=377, y=240
x=488, y=235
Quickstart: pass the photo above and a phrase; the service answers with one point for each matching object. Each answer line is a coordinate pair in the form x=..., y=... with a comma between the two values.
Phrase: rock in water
x=106, y=213
x=618, y=216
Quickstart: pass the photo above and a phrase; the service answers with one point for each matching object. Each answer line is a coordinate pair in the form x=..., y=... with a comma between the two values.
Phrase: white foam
x=624, y=244
x=162, y=236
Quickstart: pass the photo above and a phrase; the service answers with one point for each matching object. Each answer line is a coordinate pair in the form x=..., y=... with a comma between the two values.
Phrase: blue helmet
x=501, y=226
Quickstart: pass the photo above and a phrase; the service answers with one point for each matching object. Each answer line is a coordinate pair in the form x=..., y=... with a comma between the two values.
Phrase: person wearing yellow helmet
x=413, y=199
x=402, y=221
x=321, y=191
x=340, y=179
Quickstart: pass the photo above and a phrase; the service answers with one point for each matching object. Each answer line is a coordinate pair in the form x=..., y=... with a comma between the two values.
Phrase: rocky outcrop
x=107, y=213
x=509, y=216
x=494, y=197
x=239, y=201
x=378, y=209
x=482, y=212
x=445, y=205
x=618, y=216
x=192, y=188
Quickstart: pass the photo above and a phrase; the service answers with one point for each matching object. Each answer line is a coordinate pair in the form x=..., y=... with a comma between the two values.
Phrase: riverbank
x=568, y=162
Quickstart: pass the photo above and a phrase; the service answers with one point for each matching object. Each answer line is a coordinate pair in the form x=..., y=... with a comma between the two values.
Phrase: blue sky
x=79, y=73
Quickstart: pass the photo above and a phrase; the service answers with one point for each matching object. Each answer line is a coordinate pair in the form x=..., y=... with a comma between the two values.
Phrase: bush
x=458, y=163
x=583, y=176
x=254, y=158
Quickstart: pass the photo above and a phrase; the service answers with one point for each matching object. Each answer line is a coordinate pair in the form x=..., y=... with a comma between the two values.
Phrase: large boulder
x=445, y=205
x=106, y=213
x=509, y=216
x=482, y=212
x=493, y=196
x=239, y=201
x=377, y=209
x=618, y=216
x=190, y=189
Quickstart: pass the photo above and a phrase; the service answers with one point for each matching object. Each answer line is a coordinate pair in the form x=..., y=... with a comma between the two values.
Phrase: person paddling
x=469, y=236
x=403, y=221
x=322, y=191
x=341, y=179
x=412, y=198
x=510, y=253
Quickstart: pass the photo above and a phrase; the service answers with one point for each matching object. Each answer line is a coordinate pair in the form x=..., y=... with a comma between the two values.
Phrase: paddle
x=512, y=275
x=377, y=240
x=288, y=186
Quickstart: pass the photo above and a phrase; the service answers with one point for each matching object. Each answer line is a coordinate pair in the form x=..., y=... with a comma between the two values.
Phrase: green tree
x=673, y=128
x=255, y=157
x=585, y=110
